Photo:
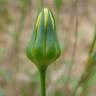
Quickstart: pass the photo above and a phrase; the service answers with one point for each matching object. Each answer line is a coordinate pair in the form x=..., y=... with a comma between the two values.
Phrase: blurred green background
x=18, y=76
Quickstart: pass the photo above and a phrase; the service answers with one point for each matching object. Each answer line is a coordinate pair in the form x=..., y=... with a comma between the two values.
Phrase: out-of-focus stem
x=89, y=66
x=75, y=43
x=93, y=43
x=85, y=90
x=19, y=30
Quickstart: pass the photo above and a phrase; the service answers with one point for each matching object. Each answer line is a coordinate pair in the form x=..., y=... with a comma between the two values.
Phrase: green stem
x=43, y=82
x=93, y=43
x=85, y=89
x=76, y=88
x=88, y=69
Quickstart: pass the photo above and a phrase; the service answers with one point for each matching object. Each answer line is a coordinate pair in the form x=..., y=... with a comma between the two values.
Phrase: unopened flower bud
x=43, y=48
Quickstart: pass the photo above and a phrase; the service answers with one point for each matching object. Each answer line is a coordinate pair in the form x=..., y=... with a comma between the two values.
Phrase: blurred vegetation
x=25, y=81
x=2, y=52
x=5, y=17
x=58, y=4
x=2, y=93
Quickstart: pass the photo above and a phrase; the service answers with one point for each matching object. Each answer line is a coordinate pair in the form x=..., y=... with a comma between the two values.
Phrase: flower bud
x=43, y=47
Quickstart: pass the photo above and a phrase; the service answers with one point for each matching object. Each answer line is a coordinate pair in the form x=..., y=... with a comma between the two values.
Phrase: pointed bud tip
x=45, y=12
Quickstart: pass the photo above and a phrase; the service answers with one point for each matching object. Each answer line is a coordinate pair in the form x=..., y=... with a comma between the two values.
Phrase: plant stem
x=43, y=82
x=89, y=66
x=88, y=69
x=93, y=43
x=75, y=90
x=85, y=89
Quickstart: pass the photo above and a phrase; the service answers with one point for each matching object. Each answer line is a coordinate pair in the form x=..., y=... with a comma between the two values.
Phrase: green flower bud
x=43, y=47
